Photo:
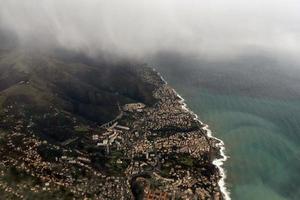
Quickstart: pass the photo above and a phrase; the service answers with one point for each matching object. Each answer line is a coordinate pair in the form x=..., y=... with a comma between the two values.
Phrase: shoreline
x=218, y=162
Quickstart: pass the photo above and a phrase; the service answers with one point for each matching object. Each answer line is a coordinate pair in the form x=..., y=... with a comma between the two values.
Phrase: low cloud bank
x=141, y=28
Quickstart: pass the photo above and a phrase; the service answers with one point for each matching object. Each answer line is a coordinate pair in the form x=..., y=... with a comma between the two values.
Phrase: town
x=160, y=148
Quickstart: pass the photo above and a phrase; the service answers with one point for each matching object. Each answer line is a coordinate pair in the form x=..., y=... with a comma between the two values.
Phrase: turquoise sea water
x=260, y=126
x=261, y=140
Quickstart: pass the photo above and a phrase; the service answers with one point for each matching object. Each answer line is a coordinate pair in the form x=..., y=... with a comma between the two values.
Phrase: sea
x=251, y=103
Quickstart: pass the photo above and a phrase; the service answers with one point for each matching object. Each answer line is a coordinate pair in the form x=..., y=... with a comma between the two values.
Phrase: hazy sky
x=144, y=27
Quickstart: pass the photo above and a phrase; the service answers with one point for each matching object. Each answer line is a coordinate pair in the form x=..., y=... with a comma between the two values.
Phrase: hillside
x=55, y=142
x=88, y=91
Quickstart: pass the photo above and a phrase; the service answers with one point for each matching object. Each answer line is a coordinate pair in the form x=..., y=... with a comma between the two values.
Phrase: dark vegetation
x=61, y=98
x=89, y=89
x=58, y=95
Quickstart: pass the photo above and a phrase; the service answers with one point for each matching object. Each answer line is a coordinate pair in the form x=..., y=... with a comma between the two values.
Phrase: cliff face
x=55, y=141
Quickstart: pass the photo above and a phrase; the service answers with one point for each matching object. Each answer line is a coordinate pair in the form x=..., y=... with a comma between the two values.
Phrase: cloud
x=136, y=28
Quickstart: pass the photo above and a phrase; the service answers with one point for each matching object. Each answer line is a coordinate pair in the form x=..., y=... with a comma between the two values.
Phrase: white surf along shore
x=217, y=162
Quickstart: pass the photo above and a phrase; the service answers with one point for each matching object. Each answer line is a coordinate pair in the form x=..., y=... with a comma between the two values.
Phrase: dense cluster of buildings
x=160, y=147
x=170, y=132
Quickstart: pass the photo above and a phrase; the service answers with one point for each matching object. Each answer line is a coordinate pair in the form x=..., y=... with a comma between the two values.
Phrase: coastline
x=218, y=162
x=151, y=150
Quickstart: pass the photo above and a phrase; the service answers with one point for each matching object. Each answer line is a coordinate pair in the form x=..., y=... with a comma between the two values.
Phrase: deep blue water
x=255, y=110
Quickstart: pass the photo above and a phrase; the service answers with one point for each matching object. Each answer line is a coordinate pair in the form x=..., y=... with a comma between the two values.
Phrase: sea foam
x=218, y=162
